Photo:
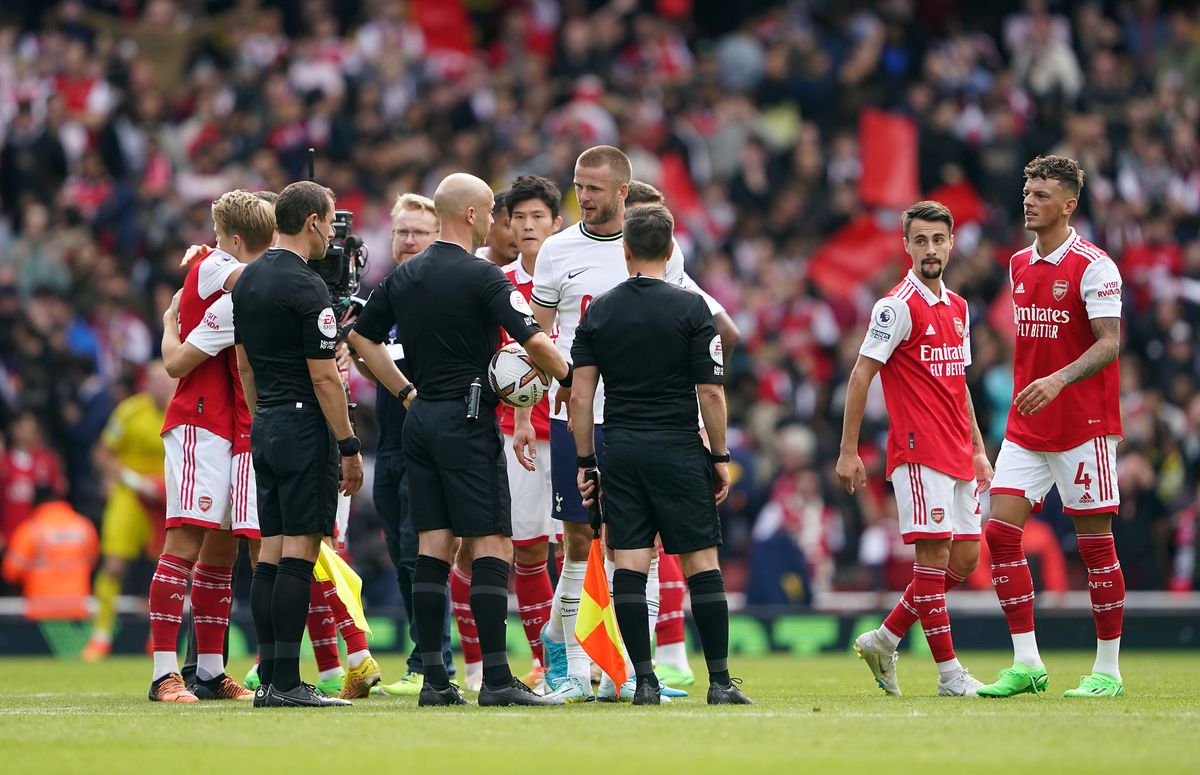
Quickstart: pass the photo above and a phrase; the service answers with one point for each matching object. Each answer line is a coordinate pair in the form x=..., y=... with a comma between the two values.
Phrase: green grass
x=816, y=715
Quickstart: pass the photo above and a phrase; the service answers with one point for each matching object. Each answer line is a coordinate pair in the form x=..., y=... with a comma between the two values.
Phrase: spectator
x=51, y=557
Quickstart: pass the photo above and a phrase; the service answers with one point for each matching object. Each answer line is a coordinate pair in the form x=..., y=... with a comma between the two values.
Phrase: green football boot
x=1097, y=685
x=251, y=681
x=1015, y=680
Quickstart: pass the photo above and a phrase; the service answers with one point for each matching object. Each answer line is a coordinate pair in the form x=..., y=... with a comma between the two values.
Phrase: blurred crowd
x=121, y=121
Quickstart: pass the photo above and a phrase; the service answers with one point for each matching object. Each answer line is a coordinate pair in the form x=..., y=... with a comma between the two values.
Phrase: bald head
x=464, y=206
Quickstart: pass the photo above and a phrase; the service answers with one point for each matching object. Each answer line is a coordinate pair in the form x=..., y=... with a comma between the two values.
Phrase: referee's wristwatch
x=349, y=446
x=719, y=458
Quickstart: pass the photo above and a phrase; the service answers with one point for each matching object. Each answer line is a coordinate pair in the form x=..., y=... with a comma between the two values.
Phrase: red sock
x=1010, y=574
x=1106, y=583
x=929, y=593
x=212, y=594
x=168, y=589
x=534, y=596
x=356, y=639
x=322, y=628
x=671, y=590
x=904, y=615
x=460, y=606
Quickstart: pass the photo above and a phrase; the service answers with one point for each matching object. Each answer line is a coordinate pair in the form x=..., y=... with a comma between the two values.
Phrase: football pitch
x=820, y=714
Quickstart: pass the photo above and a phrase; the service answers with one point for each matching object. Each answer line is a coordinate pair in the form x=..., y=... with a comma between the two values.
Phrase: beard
x=603, y=214
x=931, y=272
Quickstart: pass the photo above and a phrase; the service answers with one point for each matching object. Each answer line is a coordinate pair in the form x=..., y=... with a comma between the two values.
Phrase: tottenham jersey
x=574, y=267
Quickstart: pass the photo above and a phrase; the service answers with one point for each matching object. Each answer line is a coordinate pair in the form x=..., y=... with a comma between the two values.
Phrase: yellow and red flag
x=596, y=627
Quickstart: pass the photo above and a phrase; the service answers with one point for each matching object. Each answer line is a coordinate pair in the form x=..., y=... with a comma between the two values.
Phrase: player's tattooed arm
x=979, y=458
x=1041, y=392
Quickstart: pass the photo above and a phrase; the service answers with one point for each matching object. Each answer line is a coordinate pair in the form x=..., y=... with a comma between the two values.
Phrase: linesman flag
x=596, y=628
x=331, y=567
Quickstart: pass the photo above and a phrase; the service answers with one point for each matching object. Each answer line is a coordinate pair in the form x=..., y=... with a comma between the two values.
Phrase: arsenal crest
x=937, y=515
x=1060, y=289
x=205, y=503
x=958, y=327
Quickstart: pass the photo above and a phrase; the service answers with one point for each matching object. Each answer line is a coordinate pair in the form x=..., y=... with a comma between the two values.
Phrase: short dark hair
x=527, y=187
x=642, y=193
x=501, y=202
x=270, y=197
x=607, y=156
x=1066, y=171
x=649, y=231
x=298, y=201
x=927, y=210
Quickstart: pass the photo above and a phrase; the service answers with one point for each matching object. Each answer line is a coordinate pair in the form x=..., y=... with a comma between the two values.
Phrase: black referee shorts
x=457, y=473
x=297, y=466
x=658, y=482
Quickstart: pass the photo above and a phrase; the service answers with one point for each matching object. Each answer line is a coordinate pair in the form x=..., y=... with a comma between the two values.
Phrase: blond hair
x=246, y=215
x=607, y=156
x=414, y=202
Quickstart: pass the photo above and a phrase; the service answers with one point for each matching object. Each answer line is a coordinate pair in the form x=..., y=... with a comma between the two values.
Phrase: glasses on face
x=417, y=234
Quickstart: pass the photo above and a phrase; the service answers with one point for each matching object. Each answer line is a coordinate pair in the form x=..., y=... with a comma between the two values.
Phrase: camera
x=345, y=259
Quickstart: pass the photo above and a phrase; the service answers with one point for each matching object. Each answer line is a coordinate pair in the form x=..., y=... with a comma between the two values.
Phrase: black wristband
x=349, y=446
x=406, y=391
x=719, y=458
x=567, y=380
x=585, y=461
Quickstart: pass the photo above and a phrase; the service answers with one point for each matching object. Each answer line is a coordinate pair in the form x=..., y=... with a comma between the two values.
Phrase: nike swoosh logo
x=573, y=275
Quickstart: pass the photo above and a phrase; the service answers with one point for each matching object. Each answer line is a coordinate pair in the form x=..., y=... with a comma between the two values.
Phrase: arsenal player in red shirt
x=919, y=342
x=1063, y=426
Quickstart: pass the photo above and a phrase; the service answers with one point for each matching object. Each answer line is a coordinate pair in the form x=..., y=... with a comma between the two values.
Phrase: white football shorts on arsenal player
x=1086, y=476
x=204, y=478
x=531, y=493
x=934, y=505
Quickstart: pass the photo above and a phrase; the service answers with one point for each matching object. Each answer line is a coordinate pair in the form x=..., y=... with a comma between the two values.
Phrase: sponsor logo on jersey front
x=944, y=360
x=1059, y=289
x=1036, y=322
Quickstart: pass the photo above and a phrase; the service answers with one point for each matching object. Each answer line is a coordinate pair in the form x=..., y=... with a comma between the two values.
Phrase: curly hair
x=1066, y=171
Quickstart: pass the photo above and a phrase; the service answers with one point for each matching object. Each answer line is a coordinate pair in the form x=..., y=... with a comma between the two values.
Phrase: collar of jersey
x=1057, y=256
x=927, y=294
x=599, y=237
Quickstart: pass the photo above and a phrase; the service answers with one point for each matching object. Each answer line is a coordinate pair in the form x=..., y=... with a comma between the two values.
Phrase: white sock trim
x=210, y=666
x=165, y=662
x=1108, y=654
x=358, y=657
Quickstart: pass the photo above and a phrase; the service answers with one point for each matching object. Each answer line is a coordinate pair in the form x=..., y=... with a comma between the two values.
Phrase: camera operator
x=286, y=333
x=447, y=306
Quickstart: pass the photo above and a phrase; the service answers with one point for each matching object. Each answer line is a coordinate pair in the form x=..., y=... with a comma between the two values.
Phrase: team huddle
x=568, y=297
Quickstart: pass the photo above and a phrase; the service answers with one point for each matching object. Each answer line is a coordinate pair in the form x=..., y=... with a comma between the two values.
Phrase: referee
x=448, y=306
x=286, y=332
x=656, y=348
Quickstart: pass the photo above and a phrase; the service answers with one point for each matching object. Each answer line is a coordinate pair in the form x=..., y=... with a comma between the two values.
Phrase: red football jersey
x=924, y=344
x=205, y=397
x=1054, y=301
x=541, y=410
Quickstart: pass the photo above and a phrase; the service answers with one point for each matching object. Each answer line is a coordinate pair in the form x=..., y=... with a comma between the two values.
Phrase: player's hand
x=341, y=355
x=562, y=399
x=524, y=444
x=1039, y=393
x=352, y=474
x=983, y=472
x=588, y=491
x=194, y=253
x=171, y=315
x=851, y=472
x=721, y=482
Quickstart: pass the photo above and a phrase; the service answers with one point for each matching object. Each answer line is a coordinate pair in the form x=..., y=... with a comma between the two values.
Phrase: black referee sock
x=289, y=614
x=489, y=603
x=429, y=614
x=262, y=586
x=629, y=599
x=710, y=609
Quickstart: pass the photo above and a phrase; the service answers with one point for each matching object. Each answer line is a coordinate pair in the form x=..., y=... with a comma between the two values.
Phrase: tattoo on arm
x=976, y=435
x=1099, y=355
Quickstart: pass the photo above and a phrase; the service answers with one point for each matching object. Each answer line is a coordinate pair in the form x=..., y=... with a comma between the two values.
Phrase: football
x=516, y=378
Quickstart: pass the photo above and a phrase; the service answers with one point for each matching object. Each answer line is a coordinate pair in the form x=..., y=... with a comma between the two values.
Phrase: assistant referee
x=656, y=348
x=447, y=306
x=286, y=332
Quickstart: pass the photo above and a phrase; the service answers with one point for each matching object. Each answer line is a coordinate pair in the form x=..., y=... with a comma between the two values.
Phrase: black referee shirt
x=282, y=315
x=447, y=306
x=653, y=342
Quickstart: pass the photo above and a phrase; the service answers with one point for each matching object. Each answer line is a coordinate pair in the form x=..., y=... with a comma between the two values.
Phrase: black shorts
x=658, y=482
x=297, y=466
x=457, y=472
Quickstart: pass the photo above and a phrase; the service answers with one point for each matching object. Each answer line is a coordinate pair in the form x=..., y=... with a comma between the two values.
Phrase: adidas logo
x=929, y=331
x=1086, y=498
x=1020, y=289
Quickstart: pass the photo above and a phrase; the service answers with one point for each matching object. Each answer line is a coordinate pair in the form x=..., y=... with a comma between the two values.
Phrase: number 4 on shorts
x=1083, y=478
